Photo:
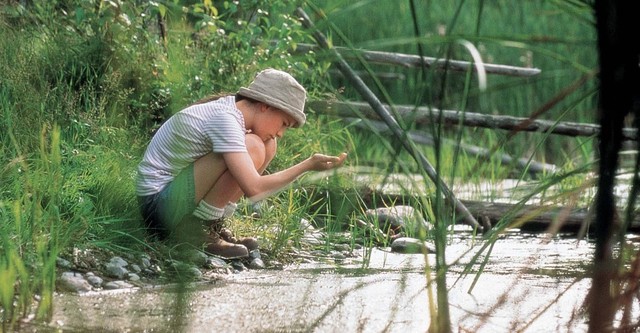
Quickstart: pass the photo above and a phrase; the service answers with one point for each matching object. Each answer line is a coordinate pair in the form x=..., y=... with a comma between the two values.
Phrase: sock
x=208, y=212
x=229, y=209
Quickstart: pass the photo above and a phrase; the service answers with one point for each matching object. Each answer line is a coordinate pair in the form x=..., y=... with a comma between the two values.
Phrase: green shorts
x=164, y=210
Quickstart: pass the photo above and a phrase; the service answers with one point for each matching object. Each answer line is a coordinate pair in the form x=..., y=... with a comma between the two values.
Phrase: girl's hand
x=320, y=162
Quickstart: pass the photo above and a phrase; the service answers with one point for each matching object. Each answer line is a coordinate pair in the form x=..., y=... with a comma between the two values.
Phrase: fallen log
x=532, y=167
x=410, y=60
x=425, y=115
x=526, y=218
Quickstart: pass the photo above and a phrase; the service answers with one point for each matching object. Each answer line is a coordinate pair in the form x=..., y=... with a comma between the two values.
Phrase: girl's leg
x=214, y=183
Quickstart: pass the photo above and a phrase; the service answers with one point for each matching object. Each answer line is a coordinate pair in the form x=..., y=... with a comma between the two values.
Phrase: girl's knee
x=270, y=149
x=256, y=148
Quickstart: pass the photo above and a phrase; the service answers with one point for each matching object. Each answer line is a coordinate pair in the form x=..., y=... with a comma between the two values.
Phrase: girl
x=203, y=159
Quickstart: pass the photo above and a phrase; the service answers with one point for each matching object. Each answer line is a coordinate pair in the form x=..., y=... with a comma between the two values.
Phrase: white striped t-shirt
x=216, y=126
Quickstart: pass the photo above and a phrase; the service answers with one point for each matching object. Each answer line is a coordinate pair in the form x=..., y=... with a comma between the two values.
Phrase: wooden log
x=425, y=115
x=532, y=167
x=526, y=218
x=410, y=60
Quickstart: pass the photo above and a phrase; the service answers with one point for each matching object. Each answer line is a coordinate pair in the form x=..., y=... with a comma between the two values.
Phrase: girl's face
x=271, y=123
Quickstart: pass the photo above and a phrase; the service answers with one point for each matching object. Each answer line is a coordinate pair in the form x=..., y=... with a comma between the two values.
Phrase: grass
x=80, y=97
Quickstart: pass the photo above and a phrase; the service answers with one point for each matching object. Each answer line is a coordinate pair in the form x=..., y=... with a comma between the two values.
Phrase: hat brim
x=297, y=115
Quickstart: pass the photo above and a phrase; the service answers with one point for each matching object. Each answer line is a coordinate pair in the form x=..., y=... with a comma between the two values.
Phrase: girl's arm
x=255, y=185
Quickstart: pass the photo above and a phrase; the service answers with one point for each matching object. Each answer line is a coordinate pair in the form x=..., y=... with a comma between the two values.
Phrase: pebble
x=238, y=265
x=145, y=262
x=136, y=269
x=399, y=218
x=409, y=246
x=73, y=282
x=118, y=284
x=118, y=261
x=94, y=280
x=215, y=262
x=117, y=272
x=63, y=263
x=257, y=263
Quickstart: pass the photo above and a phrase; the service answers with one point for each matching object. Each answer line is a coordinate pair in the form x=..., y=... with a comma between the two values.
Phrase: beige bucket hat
x=279, y=90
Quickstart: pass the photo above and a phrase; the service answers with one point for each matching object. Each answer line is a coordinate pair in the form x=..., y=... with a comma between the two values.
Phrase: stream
x=530, y=283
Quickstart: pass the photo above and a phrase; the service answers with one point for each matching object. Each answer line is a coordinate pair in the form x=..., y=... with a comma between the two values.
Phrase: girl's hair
x=210, y=98
x=214, y=97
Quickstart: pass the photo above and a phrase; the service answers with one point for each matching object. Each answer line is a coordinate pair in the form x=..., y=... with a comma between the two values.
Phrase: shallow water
x=530, y=283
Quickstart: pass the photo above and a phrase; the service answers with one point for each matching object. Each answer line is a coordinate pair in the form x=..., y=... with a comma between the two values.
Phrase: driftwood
x=425, y=115
x=532, y=167
x=377, y=106
x=409, y=60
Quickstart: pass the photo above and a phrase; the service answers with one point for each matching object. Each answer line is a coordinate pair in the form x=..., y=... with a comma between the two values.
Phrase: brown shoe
x=249, y=242
x=217, y=246
x=217, y=226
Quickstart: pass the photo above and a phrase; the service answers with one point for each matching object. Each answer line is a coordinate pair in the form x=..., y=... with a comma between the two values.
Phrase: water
x=530, y=283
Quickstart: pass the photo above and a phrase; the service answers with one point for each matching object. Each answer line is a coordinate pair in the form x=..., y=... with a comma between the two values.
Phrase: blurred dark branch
x=423, y=115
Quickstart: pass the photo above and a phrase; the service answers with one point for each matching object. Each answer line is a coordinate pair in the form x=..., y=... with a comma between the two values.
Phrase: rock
x=63, y=263
x=195, y=273
x=94, y=280
x=116, y=271
x=133, y=277
x=238, y=265
x=255, y=254
x=117, y=261
x=73, y=282
x=136, y=269
x=409, y=245
x=257, y=263
x=306, y=226
x=118, y=284
x=196, y=257
x=116, y=267
x=215, y=262
x=399, y=218
x=145, y=262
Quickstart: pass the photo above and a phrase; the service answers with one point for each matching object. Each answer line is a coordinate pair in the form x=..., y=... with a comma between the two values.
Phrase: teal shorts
x=165, y=210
